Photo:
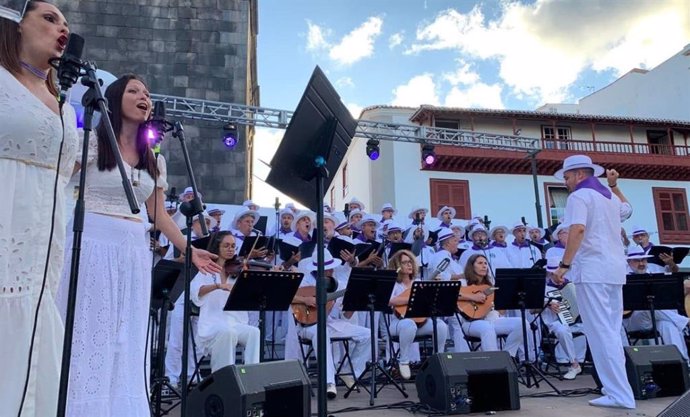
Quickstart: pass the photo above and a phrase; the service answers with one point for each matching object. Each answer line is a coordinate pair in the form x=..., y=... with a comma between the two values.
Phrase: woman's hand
x=205, y=261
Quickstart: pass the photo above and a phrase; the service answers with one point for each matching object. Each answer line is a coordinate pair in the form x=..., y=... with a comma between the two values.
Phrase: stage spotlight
x=373, y=150
x=230, y=135
x=428, y=155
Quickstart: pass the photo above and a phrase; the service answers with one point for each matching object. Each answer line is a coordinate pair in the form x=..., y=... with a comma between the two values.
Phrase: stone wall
x=190, y=48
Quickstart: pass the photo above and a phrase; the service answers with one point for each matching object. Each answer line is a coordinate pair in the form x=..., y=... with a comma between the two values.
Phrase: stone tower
x=203, y=49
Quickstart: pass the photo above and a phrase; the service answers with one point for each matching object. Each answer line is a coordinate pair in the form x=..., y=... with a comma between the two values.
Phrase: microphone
x=347, y=211
x=157, y=126
x=172, y=194
x=522, y=219
x=277, y=204
x=69, y=66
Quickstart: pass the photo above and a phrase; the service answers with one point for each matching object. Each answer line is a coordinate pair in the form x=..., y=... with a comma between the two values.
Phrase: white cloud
x=355, y=109
x=316, y=37
x=395, y=39
x=462, y=75
x=358, y=44
x=343, y=82
x=419, y=90
x=478, y=95
x=543, y=47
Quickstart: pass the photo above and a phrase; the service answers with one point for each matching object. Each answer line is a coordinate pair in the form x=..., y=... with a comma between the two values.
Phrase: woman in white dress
x=108, y=371
x=221, y=331
x=30, y=148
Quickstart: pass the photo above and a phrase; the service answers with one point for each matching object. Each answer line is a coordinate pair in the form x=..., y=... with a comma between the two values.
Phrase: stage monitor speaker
x=270, y=389
x=656, y=371
x=459, y=383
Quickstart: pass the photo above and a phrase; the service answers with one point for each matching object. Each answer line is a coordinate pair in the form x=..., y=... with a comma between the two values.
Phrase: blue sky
x=490, y=54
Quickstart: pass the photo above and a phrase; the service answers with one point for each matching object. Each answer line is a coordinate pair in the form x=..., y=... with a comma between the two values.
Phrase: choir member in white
x=220, y=332
x=566, y=347
x=669, y=323
x=404, y=262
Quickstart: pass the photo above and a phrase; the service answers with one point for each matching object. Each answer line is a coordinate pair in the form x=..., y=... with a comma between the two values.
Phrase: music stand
x=261, y=291
x=523, y=288
x=370, y=290
x=165, y=290
x=652, y=292
x=315, y=143
x=433, y=299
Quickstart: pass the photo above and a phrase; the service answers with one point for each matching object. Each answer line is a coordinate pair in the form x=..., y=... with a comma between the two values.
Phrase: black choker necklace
x=35, y=71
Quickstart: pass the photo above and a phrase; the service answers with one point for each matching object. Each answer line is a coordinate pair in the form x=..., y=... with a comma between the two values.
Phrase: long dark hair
x=106, y=158
x=472, y=277
x=10, y=45
x=216, y=240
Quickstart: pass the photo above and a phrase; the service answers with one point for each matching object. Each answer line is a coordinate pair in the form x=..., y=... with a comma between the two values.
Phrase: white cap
x=207, y=217
x=445, y=234
x=242, y=213
x=496, y=229
x=368, y=218
x=477, y=228
x=389, y=207
x=302, y=214
x=328, y=261
x=356, y=201
x=637, y=252
x=416, y=209
x=638, y=230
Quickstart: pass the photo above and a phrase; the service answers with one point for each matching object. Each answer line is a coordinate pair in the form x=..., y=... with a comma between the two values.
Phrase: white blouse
x=104, y=193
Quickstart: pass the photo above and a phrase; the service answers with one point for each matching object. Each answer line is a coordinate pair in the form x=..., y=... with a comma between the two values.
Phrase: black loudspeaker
x=459, y=383
x=270, y=389
x=678, y=408
x=656, y=371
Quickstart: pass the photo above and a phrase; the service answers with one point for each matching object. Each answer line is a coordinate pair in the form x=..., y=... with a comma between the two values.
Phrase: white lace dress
x=30, y=135
x=108, y=369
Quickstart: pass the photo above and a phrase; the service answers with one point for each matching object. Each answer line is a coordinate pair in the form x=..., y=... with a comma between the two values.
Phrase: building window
x=333, y=197
x=671, y=206
x=447, y=124
x=452, y=193
x=660, y=142
x=345, y=180
x=555, y=137
x=556, y=196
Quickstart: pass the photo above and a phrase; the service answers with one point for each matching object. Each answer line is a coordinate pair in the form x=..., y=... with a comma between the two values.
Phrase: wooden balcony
x=632, y=160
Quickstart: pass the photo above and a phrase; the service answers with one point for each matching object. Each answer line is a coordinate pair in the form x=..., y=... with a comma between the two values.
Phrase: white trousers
x=223, y=347
x=407, y=330
x=488, y=330
x=360, y=353
x=601, y=308
x=568, y=347
x=669, y=324
x=173, y=354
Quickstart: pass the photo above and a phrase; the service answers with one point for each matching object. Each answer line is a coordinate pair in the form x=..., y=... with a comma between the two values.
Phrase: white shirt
x=600, y=258
x=452, y=269
x=212, y=318
x=523, y=256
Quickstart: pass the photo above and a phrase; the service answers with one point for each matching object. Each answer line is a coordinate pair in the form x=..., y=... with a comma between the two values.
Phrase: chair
x=635, y=336
x=346, y=358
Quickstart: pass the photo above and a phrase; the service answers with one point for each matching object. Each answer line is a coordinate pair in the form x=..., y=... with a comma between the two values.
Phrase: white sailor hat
x=287, y=211
x=216, y=211
x=353, y=212
x=637, y=252
x=328, y=261
x=388, y=207
x=639, y=230
x=439, y=215
x=518, y=225
x=356, y=201
x=415, y=209
x=578, y=162
x=368, y=218
x=393, y=227
x=445, y=234
x=301, y=215
x=249, y=203
x=189, y=190
x=242, y=213
x=497, y=228
x=562, y=227
x=212, y=222
x=530, y=228
x=477, y=228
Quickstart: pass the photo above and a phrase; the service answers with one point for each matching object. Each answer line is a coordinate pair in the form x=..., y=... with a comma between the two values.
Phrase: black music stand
x=261, y=291
x=370, y=290
x=165, y=290
x=652, y=292
x=523, y=288
x=433, y=299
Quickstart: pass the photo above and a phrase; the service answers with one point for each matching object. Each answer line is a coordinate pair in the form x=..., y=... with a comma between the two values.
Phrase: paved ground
x=529, y=406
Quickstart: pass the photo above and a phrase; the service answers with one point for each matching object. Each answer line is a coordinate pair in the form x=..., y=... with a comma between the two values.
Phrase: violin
x=237, y=264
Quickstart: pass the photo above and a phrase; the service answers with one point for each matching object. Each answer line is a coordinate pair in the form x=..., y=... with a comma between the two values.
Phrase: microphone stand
x=275, y=263
x=189, y=209
x=92, y=100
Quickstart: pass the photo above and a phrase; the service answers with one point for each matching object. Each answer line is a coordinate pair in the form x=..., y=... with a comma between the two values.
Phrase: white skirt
x=108, y=372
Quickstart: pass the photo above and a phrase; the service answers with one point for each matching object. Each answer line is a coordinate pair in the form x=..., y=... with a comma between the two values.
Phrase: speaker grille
x=214, y=406
x=679, y=408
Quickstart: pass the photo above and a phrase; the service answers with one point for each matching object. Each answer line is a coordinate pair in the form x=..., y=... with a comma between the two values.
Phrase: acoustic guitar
x=401, y=310
x=307, y=316
x=472, y=310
